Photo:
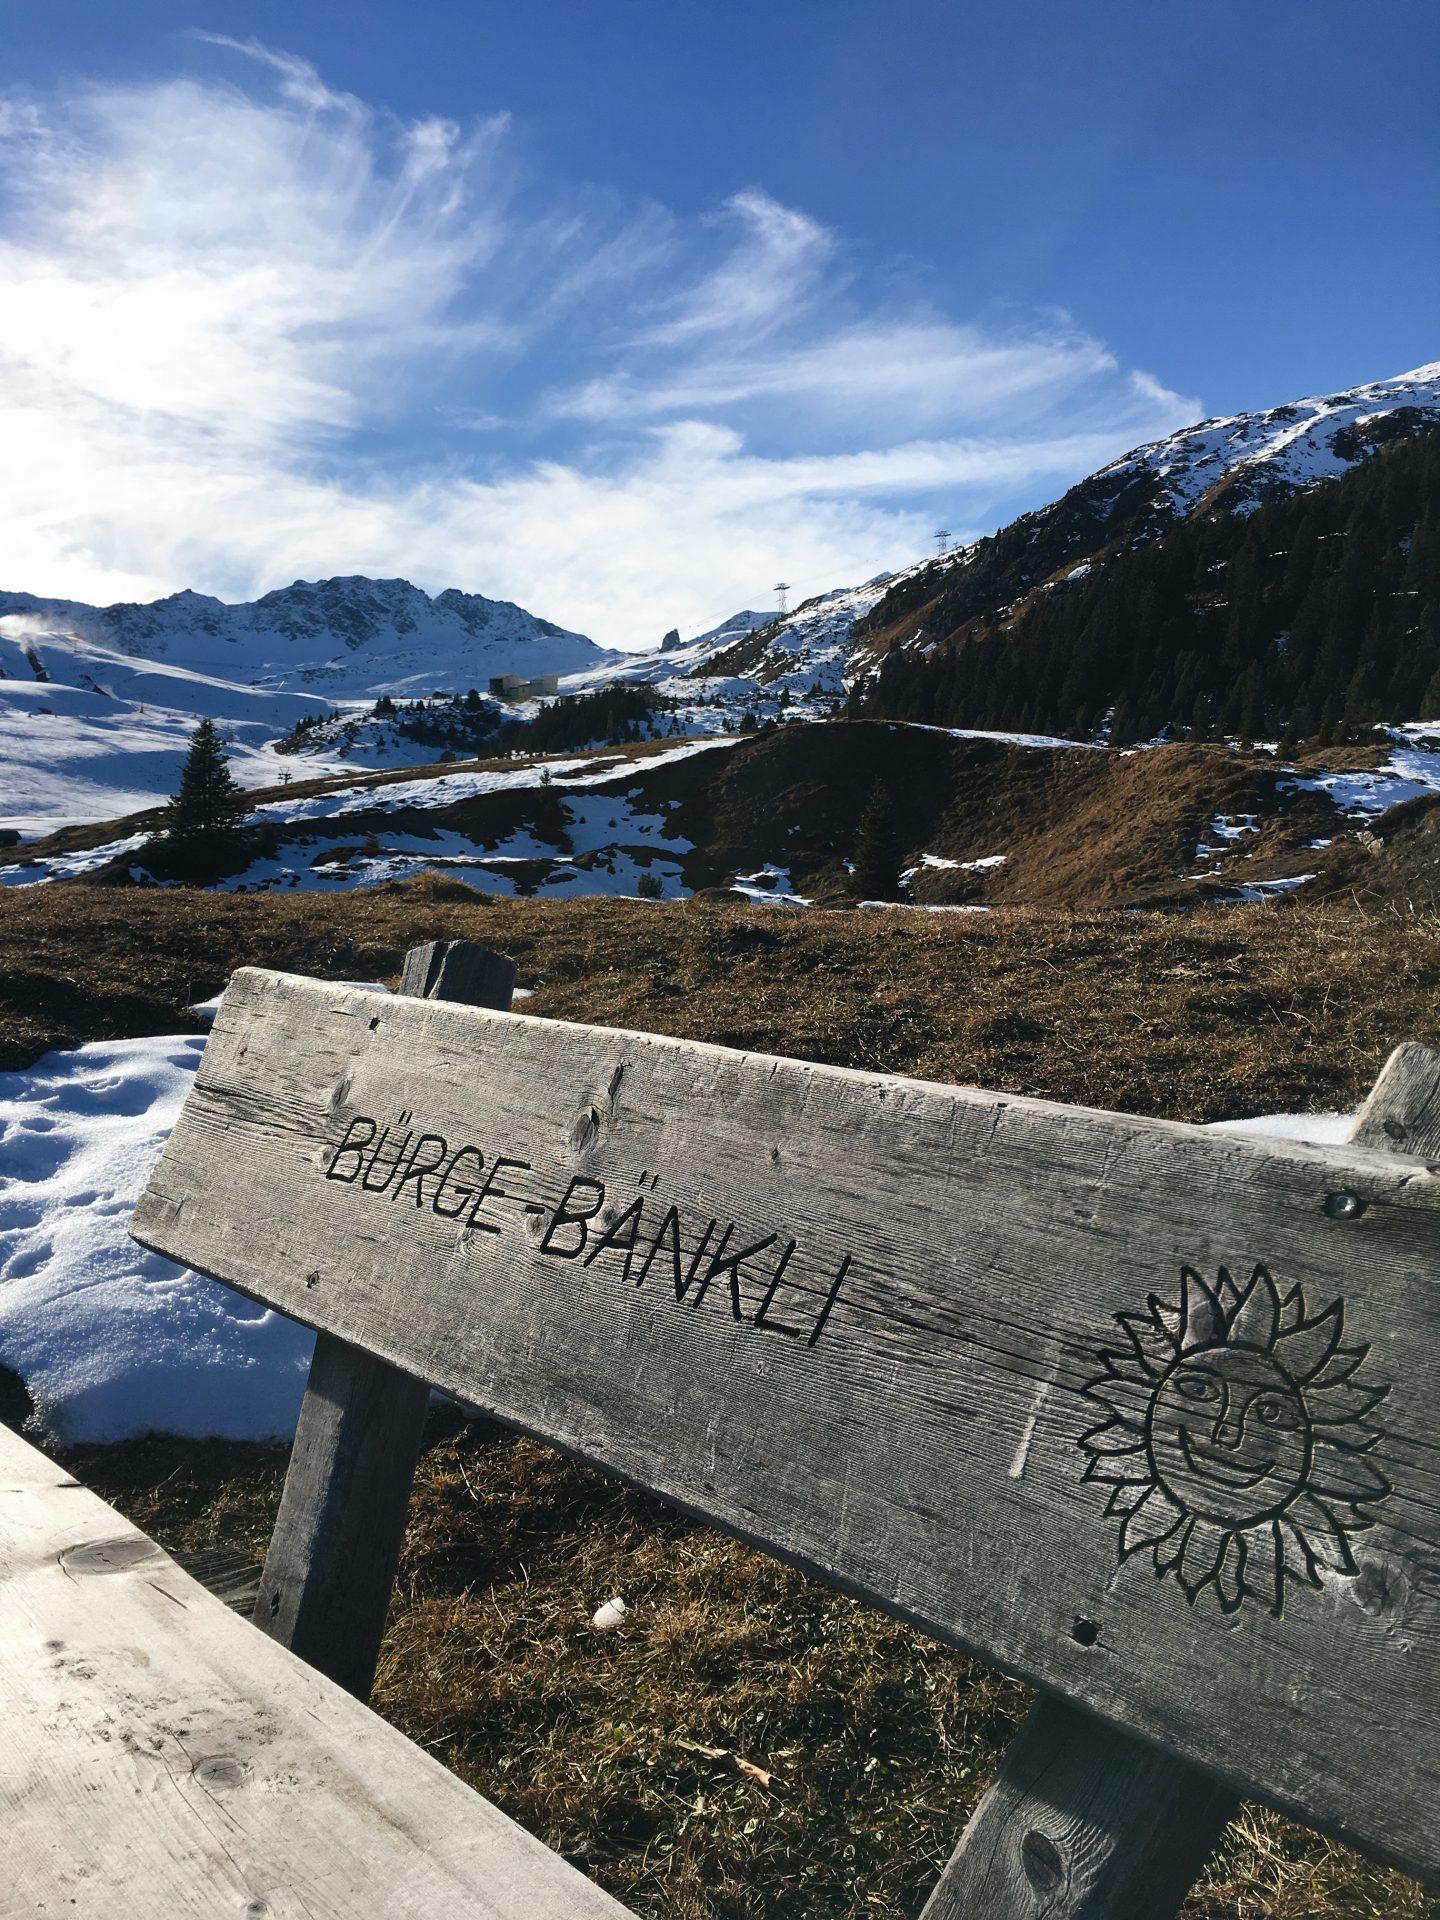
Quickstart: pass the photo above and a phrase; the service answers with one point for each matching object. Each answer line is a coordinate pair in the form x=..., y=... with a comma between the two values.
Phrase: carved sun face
x=1236, y=1443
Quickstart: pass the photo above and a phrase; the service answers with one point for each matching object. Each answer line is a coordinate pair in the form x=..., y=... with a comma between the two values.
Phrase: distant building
x=514, y=686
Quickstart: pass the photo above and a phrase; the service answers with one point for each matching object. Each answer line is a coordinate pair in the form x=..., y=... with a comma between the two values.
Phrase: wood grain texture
x=330, y=1567
x=232, y=1576
x=1082, y=1823
x=1402, y=1114
x=892, y=1387
x=459, y=970
x=159, y=1757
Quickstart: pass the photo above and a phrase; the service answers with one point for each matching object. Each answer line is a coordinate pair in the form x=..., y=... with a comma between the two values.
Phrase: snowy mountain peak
x=96, y=703
x=345, y=636
x=1281, y=448
x=1230, y=464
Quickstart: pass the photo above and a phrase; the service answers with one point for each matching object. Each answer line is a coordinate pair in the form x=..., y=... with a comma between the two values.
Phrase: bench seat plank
x=911, y=1336
x=159, y=1756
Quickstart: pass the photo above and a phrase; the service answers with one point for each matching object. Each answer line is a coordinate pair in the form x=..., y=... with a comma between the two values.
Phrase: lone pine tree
x=547, y=815
x=204, y=813
x=875, y=874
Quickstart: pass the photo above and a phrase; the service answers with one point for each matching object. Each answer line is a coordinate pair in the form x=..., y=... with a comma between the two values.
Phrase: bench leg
x=325, y=1591
x=1082, y=1822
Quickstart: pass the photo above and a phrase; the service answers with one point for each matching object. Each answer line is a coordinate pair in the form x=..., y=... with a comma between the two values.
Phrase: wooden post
x=325, y=1591
x=1402, y=1114
x=1083, y=1822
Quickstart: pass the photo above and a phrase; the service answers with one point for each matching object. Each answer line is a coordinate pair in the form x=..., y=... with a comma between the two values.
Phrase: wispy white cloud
x=768, y=273
x=901, y=374
x=255, y=329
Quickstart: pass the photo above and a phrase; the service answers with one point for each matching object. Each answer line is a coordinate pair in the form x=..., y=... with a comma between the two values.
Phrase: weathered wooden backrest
x=994, y=1364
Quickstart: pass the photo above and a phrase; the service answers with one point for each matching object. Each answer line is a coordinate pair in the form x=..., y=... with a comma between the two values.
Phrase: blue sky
x=624, y=309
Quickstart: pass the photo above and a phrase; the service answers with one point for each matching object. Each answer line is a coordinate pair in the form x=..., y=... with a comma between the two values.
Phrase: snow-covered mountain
x=345, y=638
x=1254, y=456
x=1225, y=466
x=1221, y=465
x=97, y=703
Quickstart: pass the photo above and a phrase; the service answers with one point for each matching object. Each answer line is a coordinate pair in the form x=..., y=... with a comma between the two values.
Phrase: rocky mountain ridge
x=343, y=637
x=1229, y=465
x=1232, y=464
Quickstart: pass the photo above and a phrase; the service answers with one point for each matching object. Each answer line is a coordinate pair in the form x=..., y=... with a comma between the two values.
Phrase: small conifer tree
x=547, y=815
x=875, y=874
x=199, y=830
x=208, y=804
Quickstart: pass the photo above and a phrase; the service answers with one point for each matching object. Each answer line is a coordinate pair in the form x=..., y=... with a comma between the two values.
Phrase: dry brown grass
x=1200, y=1017
x=640, y=1754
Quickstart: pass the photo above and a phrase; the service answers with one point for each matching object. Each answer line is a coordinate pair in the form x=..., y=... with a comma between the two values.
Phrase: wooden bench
x=1145, y=1413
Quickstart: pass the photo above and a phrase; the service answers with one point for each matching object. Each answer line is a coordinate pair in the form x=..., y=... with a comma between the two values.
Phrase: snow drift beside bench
x=112, y=1341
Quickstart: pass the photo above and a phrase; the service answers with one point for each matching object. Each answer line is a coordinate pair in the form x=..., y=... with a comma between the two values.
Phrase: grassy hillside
x=1196, y=1017
x=751, y=1744
x=978, y=821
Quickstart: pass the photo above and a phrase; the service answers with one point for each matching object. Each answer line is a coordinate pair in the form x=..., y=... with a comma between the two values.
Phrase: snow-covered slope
x=762, y=663
x=675, y=663
x=103, y=734
x=96, y=703
x=807, y=652
x=1283, y=448
x=1222, y=465
x=347, y=637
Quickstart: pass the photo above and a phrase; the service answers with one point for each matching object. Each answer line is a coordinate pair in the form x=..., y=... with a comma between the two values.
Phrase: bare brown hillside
x=1078, y=827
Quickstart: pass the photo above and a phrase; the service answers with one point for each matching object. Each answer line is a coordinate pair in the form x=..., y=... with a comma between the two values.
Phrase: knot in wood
x=1043, y=1862
x=221, y=1770
x=108, y=1556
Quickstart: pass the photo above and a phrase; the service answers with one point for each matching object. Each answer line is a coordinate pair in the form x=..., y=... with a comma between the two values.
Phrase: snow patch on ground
x=922, y=906
x=938, y=862
x=770, y=886
x=1410, y=773
x=1316, y=1129
x=110, y=1340
x=1014, y=739
x=1249, y=891
x=1230, y=828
